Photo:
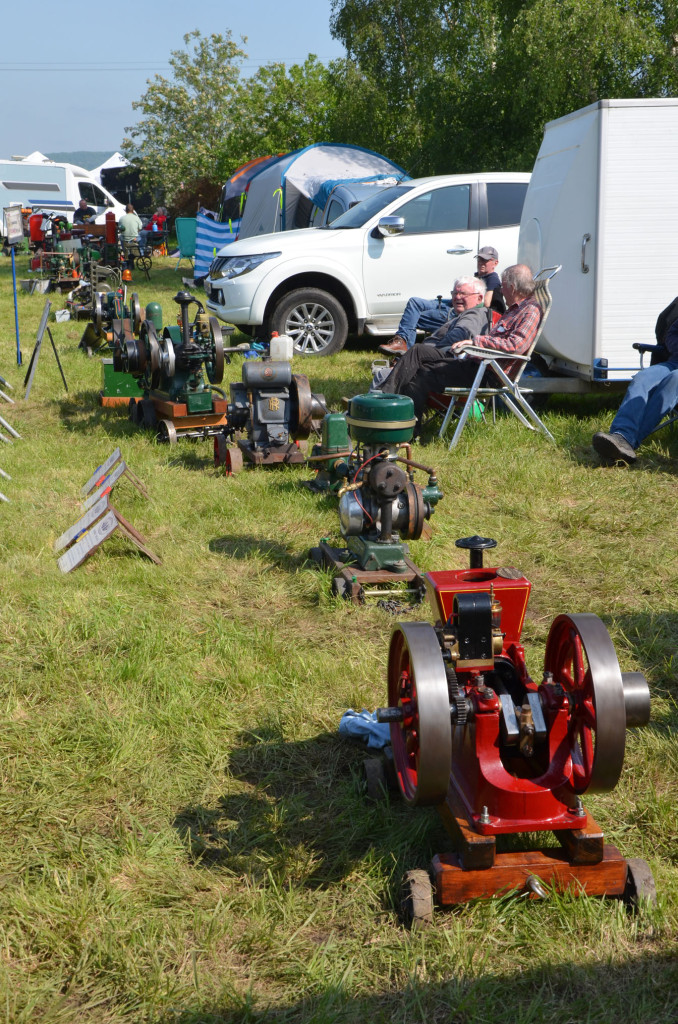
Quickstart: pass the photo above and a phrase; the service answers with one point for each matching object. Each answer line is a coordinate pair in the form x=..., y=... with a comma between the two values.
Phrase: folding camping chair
x=508, y=388
x=185, y=228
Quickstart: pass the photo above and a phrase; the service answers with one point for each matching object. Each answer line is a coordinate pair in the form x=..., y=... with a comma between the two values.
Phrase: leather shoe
x=614, y=447
x=395, y=347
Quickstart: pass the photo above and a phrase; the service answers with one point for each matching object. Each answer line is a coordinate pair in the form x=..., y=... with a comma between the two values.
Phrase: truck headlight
x=235, y=266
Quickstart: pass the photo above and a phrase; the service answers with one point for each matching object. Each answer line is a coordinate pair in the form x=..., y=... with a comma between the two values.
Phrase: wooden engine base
x=350, y=581
x=178, y=421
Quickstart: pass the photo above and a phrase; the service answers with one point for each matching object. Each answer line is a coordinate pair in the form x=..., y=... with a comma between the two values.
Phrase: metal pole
x=16, y=311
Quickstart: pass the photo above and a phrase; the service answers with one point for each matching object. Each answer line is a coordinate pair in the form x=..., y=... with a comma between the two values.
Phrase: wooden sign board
x=98, y=524
x=101, y=471
x=107, y=475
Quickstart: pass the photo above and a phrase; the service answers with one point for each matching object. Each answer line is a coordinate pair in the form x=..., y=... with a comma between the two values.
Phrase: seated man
x=430, y=314
x=652, y=394
x=427, y=368
x=84, y=213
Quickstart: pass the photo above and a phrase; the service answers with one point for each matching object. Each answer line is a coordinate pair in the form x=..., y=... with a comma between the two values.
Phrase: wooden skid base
x=511, y=871
x=355, y=579
x=287, y=455
x=178, y=413
x=111, y=401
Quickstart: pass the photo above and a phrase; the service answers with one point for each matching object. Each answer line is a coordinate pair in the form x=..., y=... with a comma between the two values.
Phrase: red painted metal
x=500, y=791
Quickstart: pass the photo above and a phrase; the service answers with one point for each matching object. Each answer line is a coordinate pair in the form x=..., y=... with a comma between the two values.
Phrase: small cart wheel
x=148, y=416
x=166, y=433
x=640, y=887
x=135, y=412
x=233, y=461
x=339, y=587
x=375, y=779
x=417, y=900
x=220, y=450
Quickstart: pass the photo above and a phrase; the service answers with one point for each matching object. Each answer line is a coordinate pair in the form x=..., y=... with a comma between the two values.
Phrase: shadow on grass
x=637, y=988
x=653, y=637
x=299, y=809
x=245, y=545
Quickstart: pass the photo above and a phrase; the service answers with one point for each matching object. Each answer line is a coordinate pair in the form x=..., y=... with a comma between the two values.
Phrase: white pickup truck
x=357, y=273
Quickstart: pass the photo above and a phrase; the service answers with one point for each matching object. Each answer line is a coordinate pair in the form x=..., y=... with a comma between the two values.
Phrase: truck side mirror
x=391, y=226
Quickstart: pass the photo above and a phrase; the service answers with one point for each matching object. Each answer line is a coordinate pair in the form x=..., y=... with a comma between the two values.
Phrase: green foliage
x=471, y=85
x=283, y=108
x=186, y=120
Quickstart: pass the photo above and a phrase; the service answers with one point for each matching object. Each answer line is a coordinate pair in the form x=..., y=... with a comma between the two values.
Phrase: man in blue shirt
x=430, y=314
x=650, y=396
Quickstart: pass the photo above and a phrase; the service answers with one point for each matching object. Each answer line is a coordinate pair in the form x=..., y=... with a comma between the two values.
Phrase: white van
x=603, y=202
x=357, y=273
x=56, y=188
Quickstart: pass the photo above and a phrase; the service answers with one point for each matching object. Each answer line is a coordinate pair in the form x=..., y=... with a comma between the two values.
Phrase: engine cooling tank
x=378, y=418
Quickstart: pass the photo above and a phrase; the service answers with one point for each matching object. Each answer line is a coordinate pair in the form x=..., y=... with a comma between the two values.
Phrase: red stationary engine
x=472, y=732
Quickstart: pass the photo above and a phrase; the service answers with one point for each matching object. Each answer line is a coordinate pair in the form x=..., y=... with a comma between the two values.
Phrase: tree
x=281, y=108
x=184, y=133
x=471, y=84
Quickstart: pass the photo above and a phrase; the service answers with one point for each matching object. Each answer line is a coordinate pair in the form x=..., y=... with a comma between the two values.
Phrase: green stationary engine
x=182, y=362
x=382, y=506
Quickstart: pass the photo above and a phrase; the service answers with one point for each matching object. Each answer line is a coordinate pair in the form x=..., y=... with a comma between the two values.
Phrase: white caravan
x=603, y=202
x=55, y=188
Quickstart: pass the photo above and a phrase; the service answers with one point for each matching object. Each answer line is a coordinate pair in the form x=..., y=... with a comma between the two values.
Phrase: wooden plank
x=133, y=534
x=475, y=852
x=83, y=524
x=94, y=537
x=511, y=871
x=106, y=485
x=583, y=845
x=100, y=472
x=111, y=401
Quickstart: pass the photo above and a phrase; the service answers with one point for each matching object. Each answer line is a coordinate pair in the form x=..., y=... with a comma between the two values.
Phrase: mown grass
x=183, y=835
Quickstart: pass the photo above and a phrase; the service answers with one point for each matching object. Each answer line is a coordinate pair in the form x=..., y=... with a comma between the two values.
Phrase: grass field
x=184, y=837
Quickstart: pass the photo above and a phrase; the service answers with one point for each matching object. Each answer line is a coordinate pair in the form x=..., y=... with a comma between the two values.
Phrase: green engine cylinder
x=378, y=418
x=154, y=314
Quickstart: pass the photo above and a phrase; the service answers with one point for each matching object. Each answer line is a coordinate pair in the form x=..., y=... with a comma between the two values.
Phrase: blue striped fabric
x=210, y=236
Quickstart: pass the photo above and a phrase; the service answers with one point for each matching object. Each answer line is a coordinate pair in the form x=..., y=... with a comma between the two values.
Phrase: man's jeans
x=424, y=314
x=651, y=395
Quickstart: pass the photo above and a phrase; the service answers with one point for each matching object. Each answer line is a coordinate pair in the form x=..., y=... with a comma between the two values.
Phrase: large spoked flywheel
x=422, y=741
x=582, y=658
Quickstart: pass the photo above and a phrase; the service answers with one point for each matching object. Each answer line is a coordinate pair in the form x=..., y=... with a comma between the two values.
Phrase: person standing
x=129, y=225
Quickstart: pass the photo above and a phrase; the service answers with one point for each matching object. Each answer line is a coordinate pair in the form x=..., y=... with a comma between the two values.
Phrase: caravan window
x=442, y=209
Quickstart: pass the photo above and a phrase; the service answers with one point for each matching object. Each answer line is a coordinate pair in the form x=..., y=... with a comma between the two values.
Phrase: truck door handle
x=459, y=250
x=584, y=265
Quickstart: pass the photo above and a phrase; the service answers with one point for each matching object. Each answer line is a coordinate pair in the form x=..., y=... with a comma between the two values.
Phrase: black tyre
x=314, y=319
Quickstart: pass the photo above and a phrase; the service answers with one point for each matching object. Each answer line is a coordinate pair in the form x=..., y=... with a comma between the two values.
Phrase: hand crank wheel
x=215, y=367
x=582, y=658
x=422, y=741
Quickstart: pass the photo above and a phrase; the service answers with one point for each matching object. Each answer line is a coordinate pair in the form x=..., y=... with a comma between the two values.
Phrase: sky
x=70, y=72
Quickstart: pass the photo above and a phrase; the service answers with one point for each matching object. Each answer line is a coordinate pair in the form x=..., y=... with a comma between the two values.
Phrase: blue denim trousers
x=424, y=314
x=651, y=395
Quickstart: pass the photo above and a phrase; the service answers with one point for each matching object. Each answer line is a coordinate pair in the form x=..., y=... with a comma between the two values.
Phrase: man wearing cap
x=430, y=314
x=427, y=368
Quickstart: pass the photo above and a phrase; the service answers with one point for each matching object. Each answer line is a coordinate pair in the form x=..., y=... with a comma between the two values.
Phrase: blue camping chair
x=185, y=228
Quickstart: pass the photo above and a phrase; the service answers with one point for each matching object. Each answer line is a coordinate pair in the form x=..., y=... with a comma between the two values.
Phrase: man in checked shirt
x=426, y=368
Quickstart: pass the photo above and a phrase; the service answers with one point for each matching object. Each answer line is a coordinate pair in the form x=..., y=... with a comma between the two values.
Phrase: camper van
x=602, y=201
x=55, y=188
